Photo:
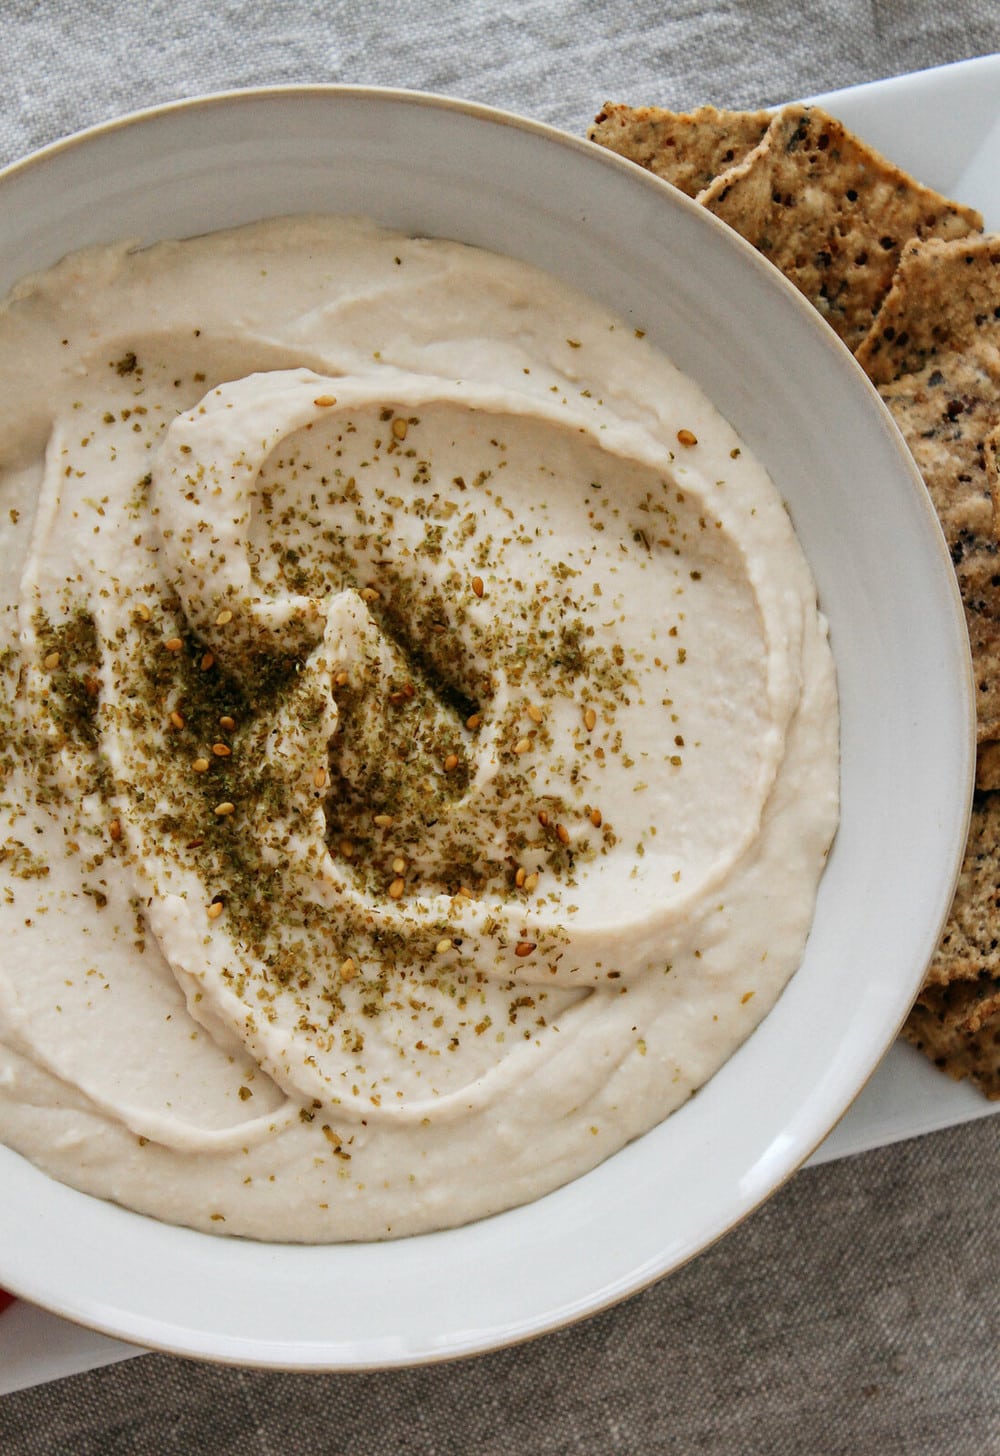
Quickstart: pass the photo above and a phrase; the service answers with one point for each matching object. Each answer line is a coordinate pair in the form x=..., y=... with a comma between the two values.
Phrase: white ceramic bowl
x=439, y=167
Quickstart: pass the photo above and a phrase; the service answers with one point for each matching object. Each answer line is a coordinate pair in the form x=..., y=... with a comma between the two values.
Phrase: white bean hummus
x=418, y=736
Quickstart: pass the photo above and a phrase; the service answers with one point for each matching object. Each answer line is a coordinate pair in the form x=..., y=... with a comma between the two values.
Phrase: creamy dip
x=418, y=734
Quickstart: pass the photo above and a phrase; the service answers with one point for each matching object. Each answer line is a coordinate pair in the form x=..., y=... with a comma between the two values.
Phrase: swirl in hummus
x=418, y=733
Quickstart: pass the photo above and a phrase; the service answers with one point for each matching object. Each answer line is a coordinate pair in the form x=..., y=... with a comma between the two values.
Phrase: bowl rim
x=484, y=1340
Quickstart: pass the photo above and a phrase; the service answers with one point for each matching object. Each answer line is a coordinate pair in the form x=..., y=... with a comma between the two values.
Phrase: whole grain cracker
x=988, y=765
x=945, y=412
x=686, y=149
x=947, y=405
x=988, y=757
x=961, y=1005
x=956, y=1018
x=831, y=213
x=945, y=298
x=960, y=1044
x=978, y=572
x=945, y=397
x=991, y=464
x=969, y=948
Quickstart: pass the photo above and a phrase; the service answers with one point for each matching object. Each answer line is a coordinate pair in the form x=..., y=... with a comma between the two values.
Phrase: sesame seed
x=543, y=818
x=596, y=818
x=51, y=662
x=224, y=618
x=535, y=713
x=200, y=765
x=325, y=400
x=319, y=777
x=176, y=719
x=687, y=438
x=225, y=809
x=143, y=612
x=477, y=585
x=589, y=720
x=399, y=428
x=384, y=821
x=562, y=834
x=522, y=745
x=346, y=848
x=398, y=866
x=521, y=876
x=173, y=644
x=215, y=909
x=443, y=947
x=369, y=594
x=451, y=762
x=531, y=882
x=474, y=722
x=341, y=679
x=222, y=750
x=348, y=969
x=396, y=888
x=227, y=723
x=207, y=661
x=524, y=948
x=115, y=830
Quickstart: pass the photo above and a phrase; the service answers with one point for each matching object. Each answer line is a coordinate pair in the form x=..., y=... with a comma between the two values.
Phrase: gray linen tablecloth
x=858, y=1312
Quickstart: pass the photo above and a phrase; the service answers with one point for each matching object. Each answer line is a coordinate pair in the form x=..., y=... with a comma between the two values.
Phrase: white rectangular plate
x=942, y=125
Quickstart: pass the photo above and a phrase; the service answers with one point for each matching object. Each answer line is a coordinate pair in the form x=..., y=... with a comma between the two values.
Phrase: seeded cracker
x=991, y=463
x=988, y=766
x=945, y=411
x=988, y=758
x=969, y=949
x=685, y=149
x=837, y=219
x=945, y=298
x=953, y=1025
x=831, y=213
x=934, y=352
